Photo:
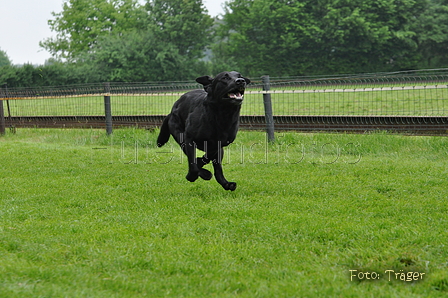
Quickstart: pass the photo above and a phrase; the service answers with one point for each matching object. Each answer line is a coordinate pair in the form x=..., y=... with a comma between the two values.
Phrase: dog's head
x=227, y=87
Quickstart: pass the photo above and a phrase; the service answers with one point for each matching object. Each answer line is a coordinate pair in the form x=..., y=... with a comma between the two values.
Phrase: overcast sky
x=24, y=23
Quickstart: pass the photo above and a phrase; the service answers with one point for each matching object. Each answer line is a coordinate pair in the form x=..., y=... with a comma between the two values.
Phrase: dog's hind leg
x=219, y=175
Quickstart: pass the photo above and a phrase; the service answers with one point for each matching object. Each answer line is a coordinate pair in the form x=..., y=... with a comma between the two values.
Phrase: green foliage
x=170, y=47
x=81, y=22
x=432, y=34
x=357, y=36
x=4, y=59
x=309, y=37
x=263, y=37
x=52, y=74
x=139, y=56
x=126, y=40
x=183, y=24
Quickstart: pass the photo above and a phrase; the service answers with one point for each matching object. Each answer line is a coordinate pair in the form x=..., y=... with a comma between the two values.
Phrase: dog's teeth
x=235, y=95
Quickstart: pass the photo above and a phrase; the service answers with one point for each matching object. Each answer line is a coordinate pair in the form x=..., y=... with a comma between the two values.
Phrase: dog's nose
x=240, y=81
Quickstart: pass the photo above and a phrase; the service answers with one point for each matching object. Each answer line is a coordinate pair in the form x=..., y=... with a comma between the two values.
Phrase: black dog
x=207, y=120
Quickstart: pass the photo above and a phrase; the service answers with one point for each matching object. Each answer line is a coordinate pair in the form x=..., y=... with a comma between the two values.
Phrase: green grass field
x=86, y=215
x=405, y=102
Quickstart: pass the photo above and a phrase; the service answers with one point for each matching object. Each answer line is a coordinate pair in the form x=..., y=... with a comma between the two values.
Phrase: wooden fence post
x=108, y=108
x=2, y=119
x=268, y=108
x=2, y=112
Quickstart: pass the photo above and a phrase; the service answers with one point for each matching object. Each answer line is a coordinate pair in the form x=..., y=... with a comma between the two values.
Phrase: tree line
x=172, y=40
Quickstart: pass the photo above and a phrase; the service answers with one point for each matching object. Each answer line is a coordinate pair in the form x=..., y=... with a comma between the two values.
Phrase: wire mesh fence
x=379, y=95
x=402, y=94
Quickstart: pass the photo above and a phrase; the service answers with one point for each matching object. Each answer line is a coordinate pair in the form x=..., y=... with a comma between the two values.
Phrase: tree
x=135, y=57
x=162, y=40
x=170, y=48
x=82, y=22
x=432, y=34
x=4, y=59
x=262, y=36
x=184, y=24
x=316, y=37
x=366, y=35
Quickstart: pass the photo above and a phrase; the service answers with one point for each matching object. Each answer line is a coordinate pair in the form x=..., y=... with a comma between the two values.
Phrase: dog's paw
x=230, y=186
x=205, y=174
x=192, y=177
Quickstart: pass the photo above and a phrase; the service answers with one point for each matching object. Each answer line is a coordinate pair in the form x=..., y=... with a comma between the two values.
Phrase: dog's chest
x=216, y=131
x=212, y=129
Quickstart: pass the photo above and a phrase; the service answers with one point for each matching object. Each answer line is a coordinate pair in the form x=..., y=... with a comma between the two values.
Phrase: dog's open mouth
x=236, y=96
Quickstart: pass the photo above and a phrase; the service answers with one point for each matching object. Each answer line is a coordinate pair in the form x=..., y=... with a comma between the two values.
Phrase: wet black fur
x=208, y=120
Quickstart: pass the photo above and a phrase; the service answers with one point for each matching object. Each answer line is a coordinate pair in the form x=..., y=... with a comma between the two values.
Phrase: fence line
x=365, y=89
x=363, y=96
x=376, y=101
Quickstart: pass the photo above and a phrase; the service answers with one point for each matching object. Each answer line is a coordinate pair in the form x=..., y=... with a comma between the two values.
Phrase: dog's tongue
x=236, y=95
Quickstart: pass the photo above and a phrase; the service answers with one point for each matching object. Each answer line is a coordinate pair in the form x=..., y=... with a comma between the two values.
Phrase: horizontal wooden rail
x=405, y=124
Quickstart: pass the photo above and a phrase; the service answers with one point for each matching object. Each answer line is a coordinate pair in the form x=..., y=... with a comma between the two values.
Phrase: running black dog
x=208, y=120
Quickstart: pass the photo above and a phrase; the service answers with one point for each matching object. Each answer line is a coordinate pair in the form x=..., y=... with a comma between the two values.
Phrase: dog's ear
x=205, y=80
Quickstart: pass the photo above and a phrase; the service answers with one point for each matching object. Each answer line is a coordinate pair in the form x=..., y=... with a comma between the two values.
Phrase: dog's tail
x=164, y=134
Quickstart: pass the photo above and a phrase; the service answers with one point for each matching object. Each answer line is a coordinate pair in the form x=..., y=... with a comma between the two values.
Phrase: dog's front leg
x=189, y=149
x=219, y=175
x=203, y=173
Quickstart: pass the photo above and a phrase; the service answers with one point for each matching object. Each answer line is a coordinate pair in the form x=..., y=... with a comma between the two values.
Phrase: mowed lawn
x=314, y=215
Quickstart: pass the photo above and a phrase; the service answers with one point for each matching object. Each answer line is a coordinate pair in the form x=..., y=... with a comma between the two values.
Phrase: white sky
x=24, y=23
